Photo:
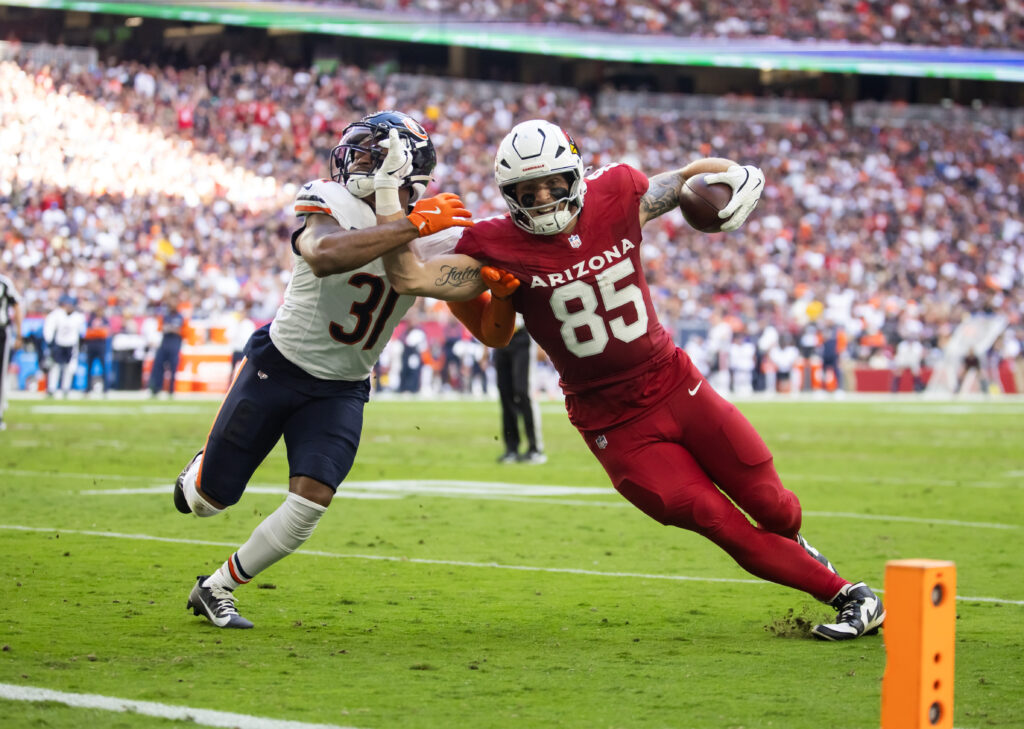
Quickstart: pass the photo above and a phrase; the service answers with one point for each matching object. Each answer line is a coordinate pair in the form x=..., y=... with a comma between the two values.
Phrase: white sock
x=196, y=502
x=274, y=538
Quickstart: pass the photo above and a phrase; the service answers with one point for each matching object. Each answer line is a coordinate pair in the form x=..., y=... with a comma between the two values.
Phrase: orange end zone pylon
x=920, y=622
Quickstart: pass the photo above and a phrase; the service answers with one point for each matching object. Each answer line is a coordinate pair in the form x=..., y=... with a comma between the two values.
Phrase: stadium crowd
x=865, y=235
x=965, y=23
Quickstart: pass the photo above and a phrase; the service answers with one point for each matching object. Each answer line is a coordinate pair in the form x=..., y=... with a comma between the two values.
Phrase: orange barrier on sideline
x=920, y=625
x=204, y=368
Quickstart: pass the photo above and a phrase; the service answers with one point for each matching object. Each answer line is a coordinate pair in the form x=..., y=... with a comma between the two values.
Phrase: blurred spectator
x=909, y=358
x=970, y=23
x=742, y=361
x=1010, y=354
x=833, y=345
x=10, y=336
x=514, y=366
x=168, y=352
x=414, y=347
x=973, y=377
x=128, y=350
x=97, y=343
x=63, y=331
x=241, y=329
x=784, y=356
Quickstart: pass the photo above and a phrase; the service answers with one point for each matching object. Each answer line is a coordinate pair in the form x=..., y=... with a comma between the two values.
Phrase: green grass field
x=442, y=590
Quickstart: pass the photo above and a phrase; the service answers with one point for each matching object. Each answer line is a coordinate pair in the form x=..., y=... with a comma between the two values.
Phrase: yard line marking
x=826, y=477
x=522, y=493
x=442, y=487
x=72, y=409
x=386, y=558
x=448, y=562
x=911, y=519
x=902, y=480
x=90, y=476
x=206, y=717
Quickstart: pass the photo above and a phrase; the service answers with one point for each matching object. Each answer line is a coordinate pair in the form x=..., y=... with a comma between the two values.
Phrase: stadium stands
x=885, y=220
x=967, y=23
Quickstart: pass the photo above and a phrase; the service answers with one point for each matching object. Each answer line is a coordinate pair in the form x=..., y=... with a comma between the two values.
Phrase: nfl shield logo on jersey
x=601, y=442
x=574, y=241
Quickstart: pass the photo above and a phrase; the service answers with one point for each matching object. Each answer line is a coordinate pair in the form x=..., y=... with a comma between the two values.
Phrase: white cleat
x=860, y=613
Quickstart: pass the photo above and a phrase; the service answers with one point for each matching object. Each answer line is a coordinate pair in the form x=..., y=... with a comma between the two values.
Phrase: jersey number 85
x=587, y=316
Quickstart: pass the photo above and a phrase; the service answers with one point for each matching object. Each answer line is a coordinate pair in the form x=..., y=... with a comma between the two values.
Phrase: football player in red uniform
x=670, y=444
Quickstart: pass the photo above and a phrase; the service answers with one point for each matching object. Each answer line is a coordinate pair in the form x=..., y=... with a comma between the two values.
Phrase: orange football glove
x=501, y=283
x=433, y=214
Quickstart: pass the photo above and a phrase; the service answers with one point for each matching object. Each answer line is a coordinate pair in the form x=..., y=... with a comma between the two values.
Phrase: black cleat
x=180, y=502
x=217, y=604
x=815, y=553
x=860, y=613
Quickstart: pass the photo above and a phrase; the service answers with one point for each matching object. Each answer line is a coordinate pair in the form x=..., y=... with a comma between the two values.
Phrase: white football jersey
x=336, y=326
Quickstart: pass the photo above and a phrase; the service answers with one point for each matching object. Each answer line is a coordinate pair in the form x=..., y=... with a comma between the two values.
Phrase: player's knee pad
x=708, y=514
x=223, y=490
x=775, y=508
x=647, y=500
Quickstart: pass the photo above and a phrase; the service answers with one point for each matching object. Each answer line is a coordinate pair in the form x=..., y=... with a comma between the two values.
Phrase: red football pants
x=668, y=461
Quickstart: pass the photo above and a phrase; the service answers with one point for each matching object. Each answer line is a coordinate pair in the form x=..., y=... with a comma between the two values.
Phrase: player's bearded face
x=542, y=196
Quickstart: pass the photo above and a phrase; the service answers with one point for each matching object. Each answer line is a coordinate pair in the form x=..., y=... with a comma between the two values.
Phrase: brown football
x=700, y=203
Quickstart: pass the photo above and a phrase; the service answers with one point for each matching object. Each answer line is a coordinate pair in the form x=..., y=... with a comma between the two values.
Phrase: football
x=700, y=203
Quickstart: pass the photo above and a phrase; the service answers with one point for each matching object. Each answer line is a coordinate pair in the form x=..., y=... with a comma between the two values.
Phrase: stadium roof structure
x=550, y=40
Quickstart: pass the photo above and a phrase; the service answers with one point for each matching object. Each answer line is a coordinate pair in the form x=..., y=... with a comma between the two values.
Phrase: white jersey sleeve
x=328, y=197
x=438, y=244
x=335, y=327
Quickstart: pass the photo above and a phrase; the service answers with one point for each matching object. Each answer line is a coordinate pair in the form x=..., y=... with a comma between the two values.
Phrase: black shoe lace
x=850, y=612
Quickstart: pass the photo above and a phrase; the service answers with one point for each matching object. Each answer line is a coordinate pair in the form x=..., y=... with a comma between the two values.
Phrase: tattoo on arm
x=662, y=195
x=455, y=277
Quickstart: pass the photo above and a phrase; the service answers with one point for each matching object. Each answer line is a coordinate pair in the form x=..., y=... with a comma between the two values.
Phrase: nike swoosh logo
x=435, y=211
x=696, y=387
x=745, y=181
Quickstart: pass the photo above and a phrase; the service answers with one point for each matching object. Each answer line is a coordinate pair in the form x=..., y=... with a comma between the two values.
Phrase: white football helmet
x=533, y=149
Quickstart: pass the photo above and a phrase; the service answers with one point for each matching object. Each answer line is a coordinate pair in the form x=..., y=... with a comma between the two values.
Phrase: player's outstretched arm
x=450, y=277
x=490, y=316
x=328, y=249
x=663, y=193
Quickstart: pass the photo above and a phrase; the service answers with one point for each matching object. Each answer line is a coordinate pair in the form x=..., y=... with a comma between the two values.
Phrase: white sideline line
x=206, y=717
x=1009, y=479
x=450, y=562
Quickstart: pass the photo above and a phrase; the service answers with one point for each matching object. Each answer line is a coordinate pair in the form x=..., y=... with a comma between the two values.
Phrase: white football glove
x=393, y=170
x=747, y=183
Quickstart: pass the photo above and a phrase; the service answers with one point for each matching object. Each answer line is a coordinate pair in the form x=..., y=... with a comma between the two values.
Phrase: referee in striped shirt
x=10, y=337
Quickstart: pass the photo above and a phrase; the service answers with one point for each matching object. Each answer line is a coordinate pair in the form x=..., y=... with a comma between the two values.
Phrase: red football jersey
x=584, y=296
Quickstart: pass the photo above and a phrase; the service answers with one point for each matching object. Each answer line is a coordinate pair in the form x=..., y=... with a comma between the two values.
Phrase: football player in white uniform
x=305, y=376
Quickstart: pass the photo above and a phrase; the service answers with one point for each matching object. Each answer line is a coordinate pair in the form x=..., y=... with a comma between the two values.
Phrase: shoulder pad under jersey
x=328, y=197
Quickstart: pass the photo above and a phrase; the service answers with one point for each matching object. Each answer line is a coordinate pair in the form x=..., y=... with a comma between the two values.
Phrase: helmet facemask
x=359, y=154
x=566, y=207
